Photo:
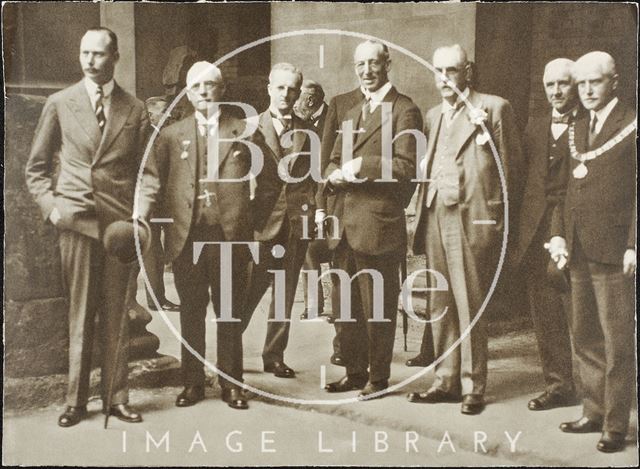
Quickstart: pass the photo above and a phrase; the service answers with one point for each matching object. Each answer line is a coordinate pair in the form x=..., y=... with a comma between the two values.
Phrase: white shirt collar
x=447, y=107
x=318, y=112
x=92, y=88
x=203, y=122
x=556, y=113
x=377, y=96
x=603, y=114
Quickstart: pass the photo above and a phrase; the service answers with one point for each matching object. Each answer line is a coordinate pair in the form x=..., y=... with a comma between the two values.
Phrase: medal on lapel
x=185, y=149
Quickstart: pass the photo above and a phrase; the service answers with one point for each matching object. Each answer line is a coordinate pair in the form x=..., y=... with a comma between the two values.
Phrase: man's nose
x=588, y=88
x=556, y=90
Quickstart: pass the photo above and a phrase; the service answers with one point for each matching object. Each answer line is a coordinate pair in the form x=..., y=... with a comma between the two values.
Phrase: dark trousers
x=197, y=284
x=366, y=344
x=260, y=279
x=603, y=325
x=317, y=254
x=550, y=309
x=154, y=266
x=96, y=283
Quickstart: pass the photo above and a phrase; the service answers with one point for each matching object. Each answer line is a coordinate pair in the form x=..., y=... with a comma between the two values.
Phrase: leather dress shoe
x=433, y=396
x=280, y=370
x=550, y=400
x=583, y=425
x=235, y=398
x=373, y=388
x=472, y=404
x=72, y=416
x=418, y=360
x=611, y=442
x=170, y=306
x=304, y=315
x=189, y=396
x=123, y=412
x=347, y=383
x=331, y=319
x=337, y=360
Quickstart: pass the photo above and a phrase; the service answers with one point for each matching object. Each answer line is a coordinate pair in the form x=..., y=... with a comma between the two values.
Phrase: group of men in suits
x=572, y=181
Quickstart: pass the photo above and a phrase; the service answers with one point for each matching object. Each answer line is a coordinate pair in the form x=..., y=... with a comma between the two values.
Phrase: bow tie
x=563, y=119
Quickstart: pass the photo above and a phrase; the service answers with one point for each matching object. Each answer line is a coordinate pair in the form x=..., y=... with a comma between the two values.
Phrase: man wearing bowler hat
x=100, y=132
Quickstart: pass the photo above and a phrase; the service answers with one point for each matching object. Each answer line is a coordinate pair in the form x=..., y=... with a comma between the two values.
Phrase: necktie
x=563, y=119
x=592, y=130
x=366, y=109
x=102, y=120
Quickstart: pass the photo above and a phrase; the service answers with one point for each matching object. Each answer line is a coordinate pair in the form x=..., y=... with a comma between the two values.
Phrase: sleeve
x=154, y=175
x=329, y=134
x=508, y=141
x=39, y=169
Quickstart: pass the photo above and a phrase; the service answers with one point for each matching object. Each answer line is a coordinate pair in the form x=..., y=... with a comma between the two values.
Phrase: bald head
x=205, y=86
x=310, y=100
x=559, y=85
x=597, y=79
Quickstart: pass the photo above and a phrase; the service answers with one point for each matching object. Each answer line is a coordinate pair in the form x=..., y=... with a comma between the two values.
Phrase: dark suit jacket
x=68, y=124
x=601, y=208
x=481, y=196
x=319, y=127
x=177, y=180
x=300, y=196
x=371, y=214
x=534, y=200
x=338, y=108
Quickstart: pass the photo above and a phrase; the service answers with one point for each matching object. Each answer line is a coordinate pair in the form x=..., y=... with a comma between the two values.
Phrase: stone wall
x=571, y=30
x=418, y=27
x=36, y=338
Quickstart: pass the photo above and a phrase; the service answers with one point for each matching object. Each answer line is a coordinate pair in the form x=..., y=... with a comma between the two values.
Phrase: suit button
x=189, y=204
x=193, y=185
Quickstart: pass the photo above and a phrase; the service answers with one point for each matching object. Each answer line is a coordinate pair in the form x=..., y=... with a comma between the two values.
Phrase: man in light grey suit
x=100, y=132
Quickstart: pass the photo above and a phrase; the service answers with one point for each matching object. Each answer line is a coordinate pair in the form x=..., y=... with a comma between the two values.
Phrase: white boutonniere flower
x=185, y=149
x=478, y=117
x=236, y=153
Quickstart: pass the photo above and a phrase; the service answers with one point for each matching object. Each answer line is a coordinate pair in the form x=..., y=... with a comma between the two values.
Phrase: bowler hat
x=119, y=239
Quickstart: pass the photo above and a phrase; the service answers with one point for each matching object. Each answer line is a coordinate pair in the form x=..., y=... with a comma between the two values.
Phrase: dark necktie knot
x=563, y=119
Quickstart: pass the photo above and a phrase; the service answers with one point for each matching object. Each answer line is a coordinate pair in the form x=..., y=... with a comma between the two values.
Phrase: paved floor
x=506, y=433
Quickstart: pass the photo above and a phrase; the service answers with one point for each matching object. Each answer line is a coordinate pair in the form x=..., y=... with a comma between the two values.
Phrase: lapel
x=581, y=134
x=118, y=115
x=189, y=133
x=225, y=131
x=299, y=139
x=540, y=138
x=265, y=125
x=374, y=122
x=436, y=122
x=465, y=128
x=611, y=127
x=82, y=110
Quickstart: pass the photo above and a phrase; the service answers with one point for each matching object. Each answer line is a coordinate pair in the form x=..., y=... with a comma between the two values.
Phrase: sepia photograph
x=320, y=234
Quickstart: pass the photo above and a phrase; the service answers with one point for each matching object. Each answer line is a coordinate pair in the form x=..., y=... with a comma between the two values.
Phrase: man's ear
x=116, y=56
x=387, y=65
x=614, y=79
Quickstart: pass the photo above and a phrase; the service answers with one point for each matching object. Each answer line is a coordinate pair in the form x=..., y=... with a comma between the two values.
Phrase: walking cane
x=123, y=323
x=405, y=318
